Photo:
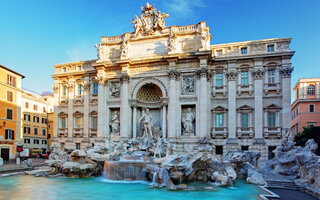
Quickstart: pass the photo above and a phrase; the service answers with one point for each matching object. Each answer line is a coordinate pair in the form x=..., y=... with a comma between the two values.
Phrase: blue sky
x=37, y=34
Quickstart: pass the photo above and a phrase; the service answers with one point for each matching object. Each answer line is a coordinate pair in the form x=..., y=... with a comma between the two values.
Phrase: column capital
x=124, y=78
x=100, y=78
x=202, y=73
x=55, y=88
x=232, y=75
x=286, y=72
x=257, y=74
x=173, y=74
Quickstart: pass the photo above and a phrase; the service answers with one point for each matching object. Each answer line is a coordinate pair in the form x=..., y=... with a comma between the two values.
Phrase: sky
x=37, y=34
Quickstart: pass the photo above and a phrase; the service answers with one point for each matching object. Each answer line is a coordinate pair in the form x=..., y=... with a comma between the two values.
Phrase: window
x=77, y=146
x=44, y=141
x=79, y=90
x=44, y=131
x=219, y=52
x=311, y=108
x=44, y=120
x=49, y=126
x=79, y=68
x=270, y=48
x=219, y=79
x=78, y=122
x=271, y=76
x=26, y=105
x=94, y=121
x=35, y=107
x=44, y=109
x=35, y=130
x=36, y=119
x=95, y=89
x=10, y=96
x=272, y=119
x=26, y=129
x=9, y=134
x=63, y=91
x=244, y=117
x=244, y=148
x=27, y=141
x=311, y=124
x=9, y=114
x=244, y=78
x=11, y=80
x=310, y=90
x=35, y=141
x=244, y=50
x=219, y=150
x=26, y=117
x=62, y=122
x=219, y=120
x=64, y=69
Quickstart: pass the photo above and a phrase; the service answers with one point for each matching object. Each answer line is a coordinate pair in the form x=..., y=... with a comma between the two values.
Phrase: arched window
x=310, y=90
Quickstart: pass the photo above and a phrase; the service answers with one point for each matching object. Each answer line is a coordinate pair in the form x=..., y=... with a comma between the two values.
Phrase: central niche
x=149, y=93
x=149, y=100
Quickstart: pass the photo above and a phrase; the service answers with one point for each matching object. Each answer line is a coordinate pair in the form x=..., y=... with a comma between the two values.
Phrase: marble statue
x=115, y=90
x=99, y=51
x=203, y=38
x=124, y=49
x=187, y=122
x=188, y=85
x=160, y=23
x=138, y=26
x=171, y=42
x=147, y=123
x=100, y=78
x=158, y=148
x=115, y=123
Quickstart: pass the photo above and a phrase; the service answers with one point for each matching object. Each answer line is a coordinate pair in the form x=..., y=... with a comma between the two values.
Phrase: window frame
x=310, y=90
x=243, y=78
x=8, y=109
x=314, y=108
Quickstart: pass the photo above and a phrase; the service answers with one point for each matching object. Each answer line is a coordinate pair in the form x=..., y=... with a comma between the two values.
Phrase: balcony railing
x=219, y=132
x=245, y=132
x=219, y=90
x=245, y=89
x=77, y=132
x=63, y=132
x=272, y=132
x=271, y=87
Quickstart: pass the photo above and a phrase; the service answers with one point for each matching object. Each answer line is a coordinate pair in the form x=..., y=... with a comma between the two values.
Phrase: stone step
x=283, y=185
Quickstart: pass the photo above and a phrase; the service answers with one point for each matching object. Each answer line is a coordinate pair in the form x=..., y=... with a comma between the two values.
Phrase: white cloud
x=185, y=8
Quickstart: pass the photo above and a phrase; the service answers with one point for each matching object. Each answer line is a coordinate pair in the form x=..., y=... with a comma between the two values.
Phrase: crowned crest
x=149, y=22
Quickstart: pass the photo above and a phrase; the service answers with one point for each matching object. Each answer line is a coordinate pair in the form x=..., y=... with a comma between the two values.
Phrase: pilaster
x=232, y=82
x=172, y=105
x=86, y=95
x=71, y=89
x=203, y=103
x=124, y=109
x=102, y=103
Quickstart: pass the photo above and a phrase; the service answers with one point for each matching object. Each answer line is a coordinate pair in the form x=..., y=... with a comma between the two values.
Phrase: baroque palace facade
x=170, y=82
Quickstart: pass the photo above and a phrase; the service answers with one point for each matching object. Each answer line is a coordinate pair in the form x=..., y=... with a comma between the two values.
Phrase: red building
x=305, y=110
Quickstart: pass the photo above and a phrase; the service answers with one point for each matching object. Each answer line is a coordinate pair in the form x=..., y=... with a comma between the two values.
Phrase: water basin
x=29, y=187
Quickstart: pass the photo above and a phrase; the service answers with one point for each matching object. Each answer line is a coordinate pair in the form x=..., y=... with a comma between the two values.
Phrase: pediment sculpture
x=149, y=21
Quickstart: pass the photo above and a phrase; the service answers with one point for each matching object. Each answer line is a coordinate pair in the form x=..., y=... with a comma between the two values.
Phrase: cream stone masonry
x=172, y=81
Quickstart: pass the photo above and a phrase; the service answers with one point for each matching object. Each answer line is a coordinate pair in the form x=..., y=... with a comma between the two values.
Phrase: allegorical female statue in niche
x=147, y=124
x=115, y=123
x=187, y=122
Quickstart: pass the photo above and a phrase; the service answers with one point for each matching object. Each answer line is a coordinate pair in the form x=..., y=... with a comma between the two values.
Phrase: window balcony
x=78, y=100
x=77, y=132
x=63, y=101
x=272, y=132
x=93, y=133
x=245, y=89
x=219, y=132
x=244, y=132
x=219, y=90
x=63, y=132
x=271, y=88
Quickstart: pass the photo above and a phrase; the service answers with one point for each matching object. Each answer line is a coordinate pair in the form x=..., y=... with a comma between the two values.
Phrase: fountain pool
x=30, y=187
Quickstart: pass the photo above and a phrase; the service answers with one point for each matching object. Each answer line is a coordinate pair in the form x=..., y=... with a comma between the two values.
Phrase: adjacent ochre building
x=170, y=80
x=10, y=112
x=305, y=110
x=35, y=109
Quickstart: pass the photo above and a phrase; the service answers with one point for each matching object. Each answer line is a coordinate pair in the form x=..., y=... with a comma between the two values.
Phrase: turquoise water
x=29, y=187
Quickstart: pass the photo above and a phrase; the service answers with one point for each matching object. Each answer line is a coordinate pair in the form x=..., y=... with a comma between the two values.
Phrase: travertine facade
x=172, y=81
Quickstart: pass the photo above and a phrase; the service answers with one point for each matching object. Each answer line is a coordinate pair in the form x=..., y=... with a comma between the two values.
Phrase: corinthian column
x=125, y=109
x=203, y=103
x=173, y=75
x=102, y=103
x=70, y=108
x=86, y=95
x=257, y=75
x=232, y=78
x=285, y=72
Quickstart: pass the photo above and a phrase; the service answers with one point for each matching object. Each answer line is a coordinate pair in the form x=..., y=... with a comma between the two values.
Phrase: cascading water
x=124, y=170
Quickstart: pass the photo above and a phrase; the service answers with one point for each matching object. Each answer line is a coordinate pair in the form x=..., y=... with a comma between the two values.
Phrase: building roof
x=304, y=80
x=10, y=70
